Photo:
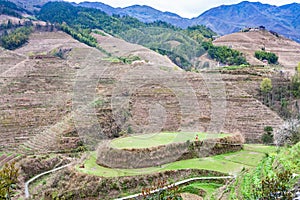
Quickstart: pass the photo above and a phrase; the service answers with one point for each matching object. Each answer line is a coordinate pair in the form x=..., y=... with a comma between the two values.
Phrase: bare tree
x=289, y=133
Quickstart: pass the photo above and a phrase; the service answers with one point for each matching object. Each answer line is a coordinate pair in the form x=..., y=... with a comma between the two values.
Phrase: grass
x=243, y=157
x=231, y=163
x=96, y=31
x=210, y=188
x=210, y=163
x=157, y=139
x=274, y=168
x=126, y=60
x=260, y=148
x=235, y=67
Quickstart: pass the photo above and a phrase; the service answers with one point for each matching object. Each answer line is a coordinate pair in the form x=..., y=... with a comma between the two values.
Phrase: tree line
x=280, y=93
x=16, y=38
x=11, y=9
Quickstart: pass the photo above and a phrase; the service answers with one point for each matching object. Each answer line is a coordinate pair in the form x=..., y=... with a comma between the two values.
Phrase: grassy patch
x=231, y=163
x=260, y=148
x=126, y=60
x=209, y=188
x=235, y=67
x=243, y=157
x=98, y=32
x=157, y=139
x=210, y=163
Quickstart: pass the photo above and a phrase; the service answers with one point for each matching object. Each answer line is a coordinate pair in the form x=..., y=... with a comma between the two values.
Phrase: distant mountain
x=142, y=13
x=11, y=9
x=101, y=6
x=31, y=5
x=232, y=18
x=224, y=19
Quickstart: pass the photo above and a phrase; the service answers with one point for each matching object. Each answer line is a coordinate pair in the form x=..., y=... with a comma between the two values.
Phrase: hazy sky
x=185, y=8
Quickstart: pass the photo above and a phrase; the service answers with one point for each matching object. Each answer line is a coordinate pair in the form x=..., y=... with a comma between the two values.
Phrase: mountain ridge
x=224, y=19
x=143, y=13
x=232, y=18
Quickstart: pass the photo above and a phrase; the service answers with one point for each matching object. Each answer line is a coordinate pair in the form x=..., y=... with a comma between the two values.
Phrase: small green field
x=209, y=188
x=157, y=139
x=231, y=163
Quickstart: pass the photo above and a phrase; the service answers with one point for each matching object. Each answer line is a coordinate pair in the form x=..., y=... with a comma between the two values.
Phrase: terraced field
x=41, y=96
x=249, y=42
x=157, y=139
x=231, y=163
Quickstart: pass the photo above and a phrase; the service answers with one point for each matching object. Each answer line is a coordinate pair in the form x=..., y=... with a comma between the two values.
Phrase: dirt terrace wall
x=34, y=165
x=155, y=156
x=69, y=184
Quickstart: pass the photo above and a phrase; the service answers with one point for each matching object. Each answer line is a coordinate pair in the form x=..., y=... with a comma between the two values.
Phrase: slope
x=249, y=42
x=142, y=13
x=36, y=91
x=232, y=18
x=41, y=94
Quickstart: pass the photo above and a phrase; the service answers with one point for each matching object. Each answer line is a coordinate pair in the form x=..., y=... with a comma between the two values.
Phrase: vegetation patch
x=122, y=59
x=11, y=9
x=82, y=35
x=272, y=178
x=8, y=180
x=201, y=188
x=158, y=36
x=236, y=67
x=99, y=32
x=272, y=58
x=16, y=38
x=224, y=54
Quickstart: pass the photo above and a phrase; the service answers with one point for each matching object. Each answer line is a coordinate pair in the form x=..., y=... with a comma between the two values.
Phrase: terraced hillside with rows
x=97, y=106
x=236, y=105
x=38, y=93
x=254, y=40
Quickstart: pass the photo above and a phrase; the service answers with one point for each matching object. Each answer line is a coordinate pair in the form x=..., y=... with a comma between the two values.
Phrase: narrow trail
x=27, y=195
x=177, y=184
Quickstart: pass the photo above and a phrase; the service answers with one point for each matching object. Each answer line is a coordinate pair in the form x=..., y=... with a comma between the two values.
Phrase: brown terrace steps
x=243, y=113
x=7, y=157
x=35, y=93
x=47, y=140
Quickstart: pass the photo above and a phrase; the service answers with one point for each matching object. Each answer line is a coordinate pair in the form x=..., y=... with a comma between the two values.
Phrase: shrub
x=268, y=129
x=272, y=58
x=266, y=85
x=8, y=178
x=272, y=178
x=224, y=54
x=268, y=137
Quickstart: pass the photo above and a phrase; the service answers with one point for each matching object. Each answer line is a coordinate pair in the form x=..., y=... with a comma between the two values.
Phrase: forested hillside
x=224, y=19
x=11, y=9
x=182, y=46
x=159, y=36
